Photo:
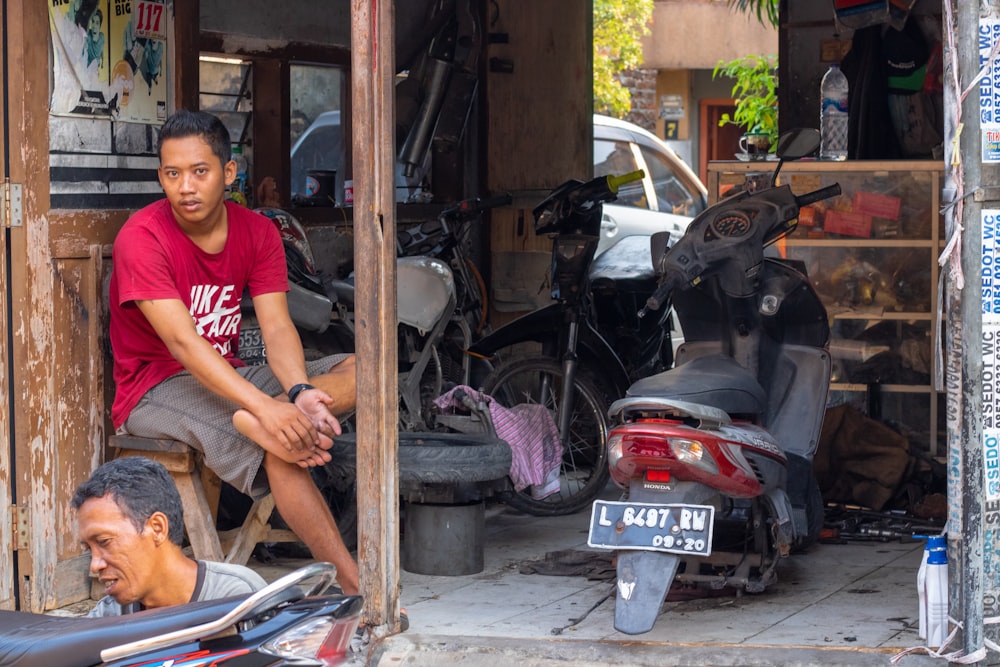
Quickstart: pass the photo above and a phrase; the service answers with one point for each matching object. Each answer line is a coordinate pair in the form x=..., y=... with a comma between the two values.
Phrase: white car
x=321, y=147
x=665, y=200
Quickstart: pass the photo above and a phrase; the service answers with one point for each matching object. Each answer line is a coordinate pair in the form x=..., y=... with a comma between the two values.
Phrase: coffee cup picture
x=755, y=145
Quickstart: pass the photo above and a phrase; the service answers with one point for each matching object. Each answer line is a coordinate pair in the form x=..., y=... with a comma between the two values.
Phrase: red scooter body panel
x=645, y=445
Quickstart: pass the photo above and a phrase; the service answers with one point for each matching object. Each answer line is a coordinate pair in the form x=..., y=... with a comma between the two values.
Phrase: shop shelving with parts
x=871, y=254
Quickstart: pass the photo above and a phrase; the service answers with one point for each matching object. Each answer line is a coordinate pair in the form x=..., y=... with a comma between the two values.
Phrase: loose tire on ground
x=435, y=458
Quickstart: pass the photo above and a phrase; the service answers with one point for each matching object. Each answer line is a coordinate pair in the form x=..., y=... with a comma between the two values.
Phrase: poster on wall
x=109, y=59
x=989, y=91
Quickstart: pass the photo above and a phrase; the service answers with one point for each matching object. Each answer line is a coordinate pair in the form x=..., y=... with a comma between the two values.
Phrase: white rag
x=536, y=453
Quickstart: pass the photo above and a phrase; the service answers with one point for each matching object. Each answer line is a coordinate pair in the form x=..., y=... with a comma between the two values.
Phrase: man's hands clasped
x=305, y=429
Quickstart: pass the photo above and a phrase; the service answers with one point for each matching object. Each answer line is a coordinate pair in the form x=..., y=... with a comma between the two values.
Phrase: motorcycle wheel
x=584, y=472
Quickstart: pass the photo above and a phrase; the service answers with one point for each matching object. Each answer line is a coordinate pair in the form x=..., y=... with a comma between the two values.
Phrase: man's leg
x=302, y=507
x=341, y=383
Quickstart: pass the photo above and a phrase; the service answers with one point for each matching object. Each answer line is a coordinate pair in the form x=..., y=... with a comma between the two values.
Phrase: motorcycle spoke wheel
x=584, y=472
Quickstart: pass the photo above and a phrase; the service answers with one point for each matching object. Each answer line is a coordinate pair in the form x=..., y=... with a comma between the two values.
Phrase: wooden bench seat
x=201, y=504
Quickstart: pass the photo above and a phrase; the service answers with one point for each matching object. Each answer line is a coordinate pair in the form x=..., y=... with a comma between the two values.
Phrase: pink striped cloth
x=536, y=453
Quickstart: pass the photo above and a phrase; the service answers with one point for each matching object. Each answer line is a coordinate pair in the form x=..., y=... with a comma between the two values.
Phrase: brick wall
x=642, y=84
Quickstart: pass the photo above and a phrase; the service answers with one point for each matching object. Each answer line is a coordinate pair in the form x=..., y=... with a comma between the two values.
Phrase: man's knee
x=340, y=382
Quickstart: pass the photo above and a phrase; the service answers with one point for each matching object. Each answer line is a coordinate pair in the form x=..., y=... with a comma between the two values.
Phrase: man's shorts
x=181, y=408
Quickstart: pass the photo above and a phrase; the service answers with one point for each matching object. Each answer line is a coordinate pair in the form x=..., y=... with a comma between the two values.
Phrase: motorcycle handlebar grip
x=496, y=201
x=615, y=182
x=468, y=208
x=818, y=195
x=658, y=298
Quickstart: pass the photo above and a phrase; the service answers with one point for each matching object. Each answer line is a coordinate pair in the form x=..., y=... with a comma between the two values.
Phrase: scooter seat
x=28, y=640
x=715, y=379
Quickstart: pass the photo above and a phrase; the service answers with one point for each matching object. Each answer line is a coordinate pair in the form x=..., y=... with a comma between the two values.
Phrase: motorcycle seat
x=716, y=380
x=28, y=640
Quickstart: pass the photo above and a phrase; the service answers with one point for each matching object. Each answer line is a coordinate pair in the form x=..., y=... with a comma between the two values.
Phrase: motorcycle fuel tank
x=425, y=289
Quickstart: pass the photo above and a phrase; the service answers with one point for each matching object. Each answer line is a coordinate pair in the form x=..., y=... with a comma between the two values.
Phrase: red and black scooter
x=715, y=455
x=288, y=622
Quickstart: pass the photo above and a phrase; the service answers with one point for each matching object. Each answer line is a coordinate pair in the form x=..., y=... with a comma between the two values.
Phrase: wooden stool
x=200, y=508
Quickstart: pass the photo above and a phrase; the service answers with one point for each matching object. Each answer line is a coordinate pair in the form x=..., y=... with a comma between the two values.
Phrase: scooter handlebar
x=660, y=296
x=470, y=208
x=818, y=195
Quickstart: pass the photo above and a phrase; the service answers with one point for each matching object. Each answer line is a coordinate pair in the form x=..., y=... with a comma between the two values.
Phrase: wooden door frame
x=8, y=566
x=706, y=130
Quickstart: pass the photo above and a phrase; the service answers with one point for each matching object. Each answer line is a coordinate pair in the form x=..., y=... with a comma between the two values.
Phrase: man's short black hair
x=185, y=123
x=139, y=487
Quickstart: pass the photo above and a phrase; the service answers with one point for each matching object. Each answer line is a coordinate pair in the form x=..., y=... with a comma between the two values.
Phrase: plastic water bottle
x=934, y=543
x=833, y=115
x=937, y=595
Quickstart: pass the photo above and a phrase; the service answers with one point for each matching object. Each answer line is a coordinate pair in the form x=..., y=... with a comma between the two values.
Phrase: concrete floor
x=849, y=604
x=839, y=604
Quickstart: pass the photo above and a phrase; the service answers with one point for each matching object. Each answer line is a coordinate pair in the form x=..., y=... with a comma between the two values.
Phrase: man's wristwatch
x=294, y=392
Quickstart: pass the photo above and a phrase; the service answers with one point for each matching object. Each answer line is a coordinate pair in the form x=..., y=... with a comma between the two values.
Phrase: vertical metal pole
x=372, y=72
x=975, y=309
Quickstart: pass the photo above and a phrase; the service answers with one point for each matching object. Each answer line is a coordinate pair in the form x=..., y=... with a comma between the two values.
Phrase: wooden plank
x=41, y=479
x=198, y=518
x=552, y=68
x=175, y=462
x=147, y=444
x=272, y=145
x=253, y=530
x=375, y=272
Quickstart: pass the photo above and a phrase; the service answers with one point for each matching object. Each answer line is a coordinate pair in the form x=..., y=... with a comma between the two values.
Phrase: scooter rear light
x=654, y=475
x=321, y=641
x=693, y=452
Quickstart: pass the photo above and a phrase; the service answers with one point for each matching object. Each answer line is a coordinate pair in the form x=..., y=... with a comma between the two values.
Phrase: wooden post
x=372, y=73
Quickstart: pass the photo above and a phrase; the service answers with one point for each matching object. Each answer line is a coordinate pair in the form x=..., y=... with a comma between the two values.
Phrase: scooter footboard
x=644, y=577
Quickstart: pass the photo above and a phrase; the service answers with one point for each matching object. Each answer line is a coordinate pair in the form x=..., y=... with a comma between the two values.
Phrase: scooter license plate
x=672, y=528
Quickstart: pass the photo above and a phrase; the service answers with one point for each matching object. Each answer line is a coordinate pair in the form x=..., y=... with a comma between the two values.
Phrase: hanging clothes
x=870, y=134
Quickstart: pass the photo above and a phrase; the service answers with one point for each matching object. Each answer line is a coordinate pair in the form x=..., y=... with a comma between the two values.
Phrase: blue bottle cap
x=937, y=557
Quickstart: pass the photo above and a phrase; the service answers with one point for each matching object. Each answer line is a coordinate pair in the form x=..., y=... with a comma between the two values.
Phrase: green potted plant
x=755, y=90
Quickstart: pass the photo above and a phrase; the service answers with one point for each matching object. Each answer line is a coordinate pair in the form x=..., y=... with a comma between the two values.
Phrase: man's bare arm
x=175, y=327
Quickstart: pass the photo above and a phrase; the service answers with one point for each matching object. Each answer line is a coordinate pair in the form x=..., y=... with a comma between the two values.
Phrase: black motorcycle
x=585, y=348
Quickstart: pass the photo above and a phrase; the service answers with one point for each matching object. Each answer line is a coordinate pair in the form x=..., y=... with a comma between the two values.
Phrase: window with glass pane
x=225, y=90
x=315, y=127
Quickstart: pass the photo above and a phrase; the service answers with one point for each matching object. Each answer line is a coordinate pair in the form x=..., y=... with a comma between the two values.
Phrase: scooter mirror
x=798, y=143
x=658, y=244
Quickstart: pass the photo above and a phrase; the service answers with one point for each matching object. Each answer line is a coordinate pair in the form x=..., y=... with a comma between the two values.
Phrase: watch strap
x=294, y=392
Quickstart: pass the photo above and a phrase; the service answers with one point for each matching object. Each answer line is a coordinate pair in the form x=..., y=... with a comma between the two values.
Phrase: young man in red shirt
x=181, y=266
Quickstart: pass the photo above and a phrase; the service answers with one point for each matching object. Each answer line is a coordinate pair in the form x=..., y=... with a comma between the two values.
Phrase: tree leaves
x=619, y=26
x=765, y=10
x=755, y=90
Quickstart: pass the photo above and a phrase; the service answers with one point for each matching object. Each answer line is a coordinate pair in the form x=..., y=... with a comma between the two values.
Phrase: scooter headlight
x=693, y=452
x=316, y=641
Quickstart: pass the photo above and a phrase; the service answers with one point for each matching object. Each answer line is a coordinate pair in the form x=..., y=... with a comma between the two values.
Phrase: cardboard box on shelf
x=848, y=223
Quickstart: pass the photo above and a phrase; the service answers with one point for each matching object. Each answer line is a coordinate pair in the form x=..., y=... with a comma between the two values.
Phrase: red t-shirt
x=154, y=259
